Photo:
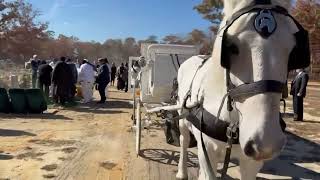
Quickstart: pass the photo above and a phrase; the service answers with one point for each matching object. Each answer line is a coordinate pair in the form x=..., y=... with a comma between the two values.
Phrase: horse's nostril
x=249, y=149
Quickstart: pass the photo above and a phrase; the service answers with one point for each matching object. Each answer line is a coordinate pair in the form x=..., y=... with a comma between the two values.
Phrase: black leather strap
x=259, y=87
x=177, y=58
x=174, y=65
x=206, y=156
x=211, y=125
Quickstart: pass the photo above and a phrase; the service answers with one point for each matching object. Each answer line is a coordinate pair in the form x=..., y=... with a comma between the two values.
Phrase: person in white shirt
x=86, y=79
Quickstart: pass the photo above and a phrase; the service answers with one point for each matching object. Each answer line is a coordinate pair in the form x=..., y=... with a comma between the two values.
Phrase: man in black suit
x=103, y=79
x=74, y=71
x=298, y=91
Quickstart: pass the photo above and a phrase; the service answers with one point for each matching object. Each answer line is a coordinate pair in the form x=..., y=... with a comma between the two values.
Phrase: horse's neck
x=214, y=86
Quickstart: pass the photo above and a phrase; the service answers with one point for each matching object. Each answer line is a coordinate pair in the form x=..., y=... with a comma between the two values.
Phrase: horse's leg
x=203, y=169
x=213, y=157
x=184, y=144
x=249, y=169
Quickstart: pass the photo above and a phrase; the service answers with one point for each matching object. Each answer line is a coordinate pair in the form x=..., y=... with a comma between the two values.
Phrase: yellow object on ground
x=79, y=91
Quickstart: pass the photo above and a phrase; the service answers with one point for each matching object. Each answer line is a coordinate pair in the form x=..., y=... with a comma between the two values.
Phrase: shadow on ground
x=96, y=110
x=289, y=164
x=168, y=157
x=11, y=133
x=5, y=157
x=107, y=108
x=297, y=151
x=46, y=116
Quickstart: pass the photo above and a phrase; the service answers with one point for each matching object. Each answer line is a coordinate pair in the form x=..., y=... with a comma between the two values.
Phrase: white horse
x=258, y=58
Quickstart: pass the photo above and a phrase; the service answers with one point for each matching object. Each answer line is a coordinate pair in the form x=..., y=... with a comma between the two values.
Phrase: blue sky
x=104, y=19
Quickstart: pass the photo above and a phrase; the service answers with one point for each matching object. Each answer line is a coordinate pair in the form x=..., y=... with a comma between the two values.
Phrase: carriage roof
x=171, y=49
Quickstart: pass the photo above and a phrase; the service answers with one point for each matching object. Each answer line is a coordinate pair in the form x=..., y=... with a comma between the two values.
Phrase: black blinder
x=228, y=49
x=300, y=55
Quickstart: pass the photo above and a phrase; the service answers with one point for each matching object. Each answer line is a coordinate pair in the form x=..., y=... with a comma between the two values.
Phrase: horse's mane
x=230, y=6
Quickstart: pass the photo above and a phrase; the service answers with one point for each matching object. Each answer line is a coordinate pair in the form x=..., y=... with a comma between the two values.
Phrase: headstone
x=14, y=82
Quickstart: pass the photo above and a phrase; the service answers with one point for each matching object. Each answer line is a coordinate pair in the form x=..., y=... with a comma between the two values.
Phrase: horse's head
x=256, y=55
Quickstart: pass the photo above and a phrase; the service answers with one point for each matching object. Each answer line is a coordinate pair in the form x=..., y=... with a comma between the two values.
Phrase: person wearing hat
x=86, y=79
x=103, y=79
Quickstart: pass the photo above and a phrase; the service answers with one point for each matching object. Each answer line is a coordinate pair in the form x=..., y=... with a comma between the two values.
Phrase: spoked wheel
x=138, y=126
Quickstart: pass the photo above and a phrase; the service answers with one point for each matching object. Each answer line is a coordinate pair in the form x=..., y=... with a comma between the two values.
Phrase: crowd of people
x=59, y=78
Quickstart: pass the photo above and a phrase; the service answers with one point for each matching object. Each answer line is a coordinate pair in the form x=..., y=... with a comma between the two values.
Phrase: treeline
x=22, y=35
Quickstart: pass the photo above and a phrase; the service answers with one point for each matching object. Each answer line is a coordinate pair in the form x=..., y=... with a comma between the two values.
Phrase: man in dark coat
x=62, y=80
x=44, y=78
x=125, y=77
x=103, y=79
x=298, y=91
x=120, y=83
x=74, y=71
x=113, y=73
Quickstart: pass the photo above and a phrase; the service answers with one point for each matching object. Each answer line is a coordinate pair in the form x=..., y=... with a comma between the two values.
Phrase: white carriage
x=151, y=83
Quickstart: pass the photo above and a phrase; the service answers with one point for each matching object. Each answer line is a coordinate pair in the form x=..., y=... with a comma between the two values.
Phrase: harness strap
x=232, y=134
x=226, y=159
x=177, y=58
x=174, y=65
x=206, y=156
x=231, y=130
x=255, y=88
x=189, y=93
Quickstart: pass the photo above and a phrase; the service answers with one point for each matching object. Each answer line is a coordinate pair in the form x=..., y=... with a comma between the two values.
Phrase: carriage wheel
x=138, y=127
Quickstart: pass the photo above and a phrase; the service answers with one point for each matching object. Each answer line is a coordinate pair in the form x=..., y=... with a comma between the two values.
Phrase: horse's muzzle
x=261, y=152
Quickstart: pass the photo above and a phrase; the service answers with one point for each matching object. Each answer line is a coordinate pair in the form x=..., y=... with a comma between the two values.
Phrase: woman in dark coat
x=62, y=79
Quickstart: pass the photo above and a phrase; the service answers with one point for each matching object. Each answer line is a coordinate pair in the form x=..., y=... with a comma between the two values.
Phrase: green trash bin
x=4, y=101
x=36, y=101
x=18, y=101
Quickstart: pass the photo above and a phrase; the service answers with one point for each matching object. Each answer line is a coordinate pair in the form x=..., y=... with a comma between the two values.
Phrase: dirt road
x=93, y=141
x=86, y=142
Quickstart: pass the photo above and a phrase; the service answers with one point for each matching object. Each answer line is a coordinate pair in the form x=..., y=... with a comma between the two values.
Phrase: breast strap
x=211, y=125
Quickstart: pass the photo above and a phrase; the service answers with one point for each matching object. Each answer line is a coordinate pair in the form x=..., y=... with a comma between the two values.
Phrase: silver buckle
x=232, y=132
